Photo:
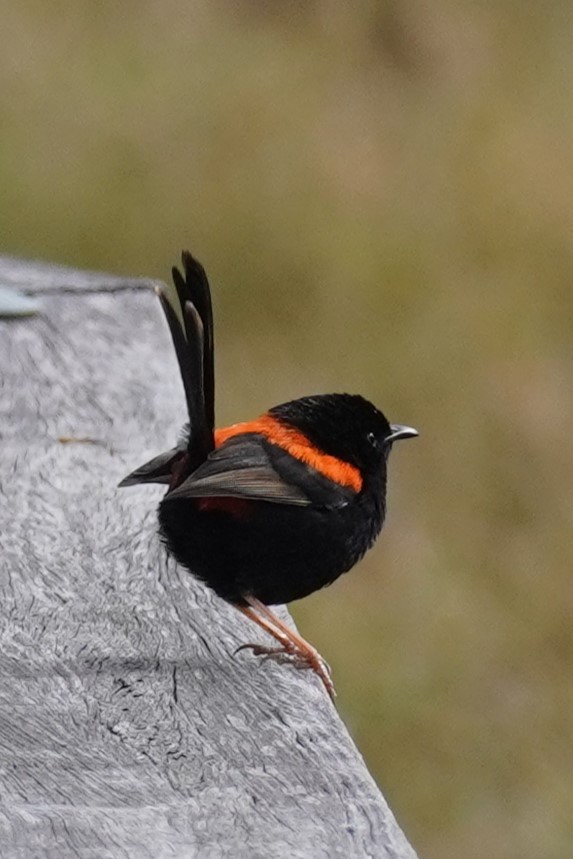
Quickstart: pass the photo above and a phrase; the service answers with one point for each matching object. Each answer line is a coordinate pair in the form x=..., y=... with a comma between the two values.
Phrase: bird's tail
x=187, y=307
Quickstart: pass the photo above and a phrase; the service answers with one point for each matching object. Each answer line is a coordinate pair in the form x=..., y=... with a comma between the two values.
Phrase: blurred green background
x=382, y=193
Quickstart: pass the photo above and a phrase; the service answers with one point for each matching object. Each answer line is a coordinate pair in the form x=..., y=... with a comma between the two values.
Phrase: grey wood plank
x=35, y=276
x=127, y=727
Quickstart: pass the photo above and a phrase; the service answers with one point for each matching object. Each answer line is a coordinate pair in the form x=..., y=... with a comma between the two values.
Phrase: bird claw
x=260, y=650
x=299, y=659
x=280, y=654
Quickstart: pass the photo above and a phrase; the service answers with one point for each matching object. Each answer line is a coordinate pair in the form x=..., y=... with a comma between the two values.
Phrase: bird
x=266, y=511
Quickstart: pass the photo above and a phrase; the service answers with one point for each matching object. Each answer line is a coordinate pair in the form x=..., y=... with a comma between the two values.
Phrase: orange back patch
x=298, y=445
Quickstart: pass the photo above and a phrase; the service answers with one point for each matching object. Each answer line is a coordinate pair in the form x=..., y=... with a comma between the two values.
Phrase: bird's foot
x=299, y=657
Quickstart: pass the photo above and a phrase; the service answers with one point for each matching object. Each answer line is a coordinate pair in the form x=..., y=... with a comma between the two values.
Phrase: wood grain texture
x=127, y=727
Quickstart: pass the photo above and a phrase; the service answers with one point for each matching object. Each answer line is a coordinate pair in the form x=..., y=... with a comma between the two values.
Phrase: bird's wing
x=157, y=470
x=245, y=467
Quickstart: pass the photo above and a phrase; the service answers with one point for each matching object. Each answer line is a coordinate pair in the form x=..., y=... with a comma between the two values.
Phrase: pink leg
x=292, y=644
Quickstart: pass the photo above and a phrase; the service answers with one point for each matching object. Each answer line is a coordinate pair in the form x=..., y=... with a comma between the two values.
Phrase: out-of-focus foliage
x=382, y=193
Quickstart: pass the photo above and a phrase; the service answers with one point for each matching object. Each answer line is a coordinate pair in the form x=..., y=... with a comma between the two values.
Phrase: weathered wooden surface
x=127, y=728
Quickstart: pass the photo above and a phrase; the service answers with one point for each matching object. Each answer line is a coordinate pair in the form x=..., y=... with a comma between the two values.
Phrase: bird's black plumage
x=270, y=510
x=279, y=550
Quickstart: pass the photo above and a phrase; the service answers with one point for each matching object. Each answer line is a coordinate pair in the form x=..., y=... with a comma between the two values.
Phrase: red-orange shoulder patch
x=298, y=445
x=238, y=508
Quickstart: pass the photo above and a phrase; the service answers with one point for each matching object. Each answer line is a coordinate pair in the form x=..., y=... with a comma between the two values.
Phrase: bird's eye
x=371, y=439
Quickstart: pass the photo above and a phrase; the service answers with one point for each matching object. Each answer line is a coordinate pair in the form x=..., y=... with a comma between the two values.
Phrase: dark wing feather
x=240, y=468
x=262, y=484
x=247, y=466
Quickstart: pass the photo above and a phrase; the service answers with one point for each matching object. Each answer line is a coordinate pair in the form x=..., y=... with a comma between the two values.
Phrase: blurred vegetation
x=382, y=193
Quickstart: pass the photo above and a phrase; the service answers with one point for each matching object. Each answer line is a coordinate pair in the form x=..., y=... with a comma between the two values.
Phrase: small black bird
x=269, y=510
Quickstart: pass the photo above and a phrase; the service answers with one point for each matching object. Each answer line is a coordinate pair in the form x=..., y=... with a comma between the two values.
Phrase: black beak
x=399, y=431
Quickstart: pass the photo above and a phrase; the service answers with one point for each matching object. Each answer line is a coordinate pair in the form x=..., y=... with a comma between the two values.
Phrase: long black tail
x=187, y=307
